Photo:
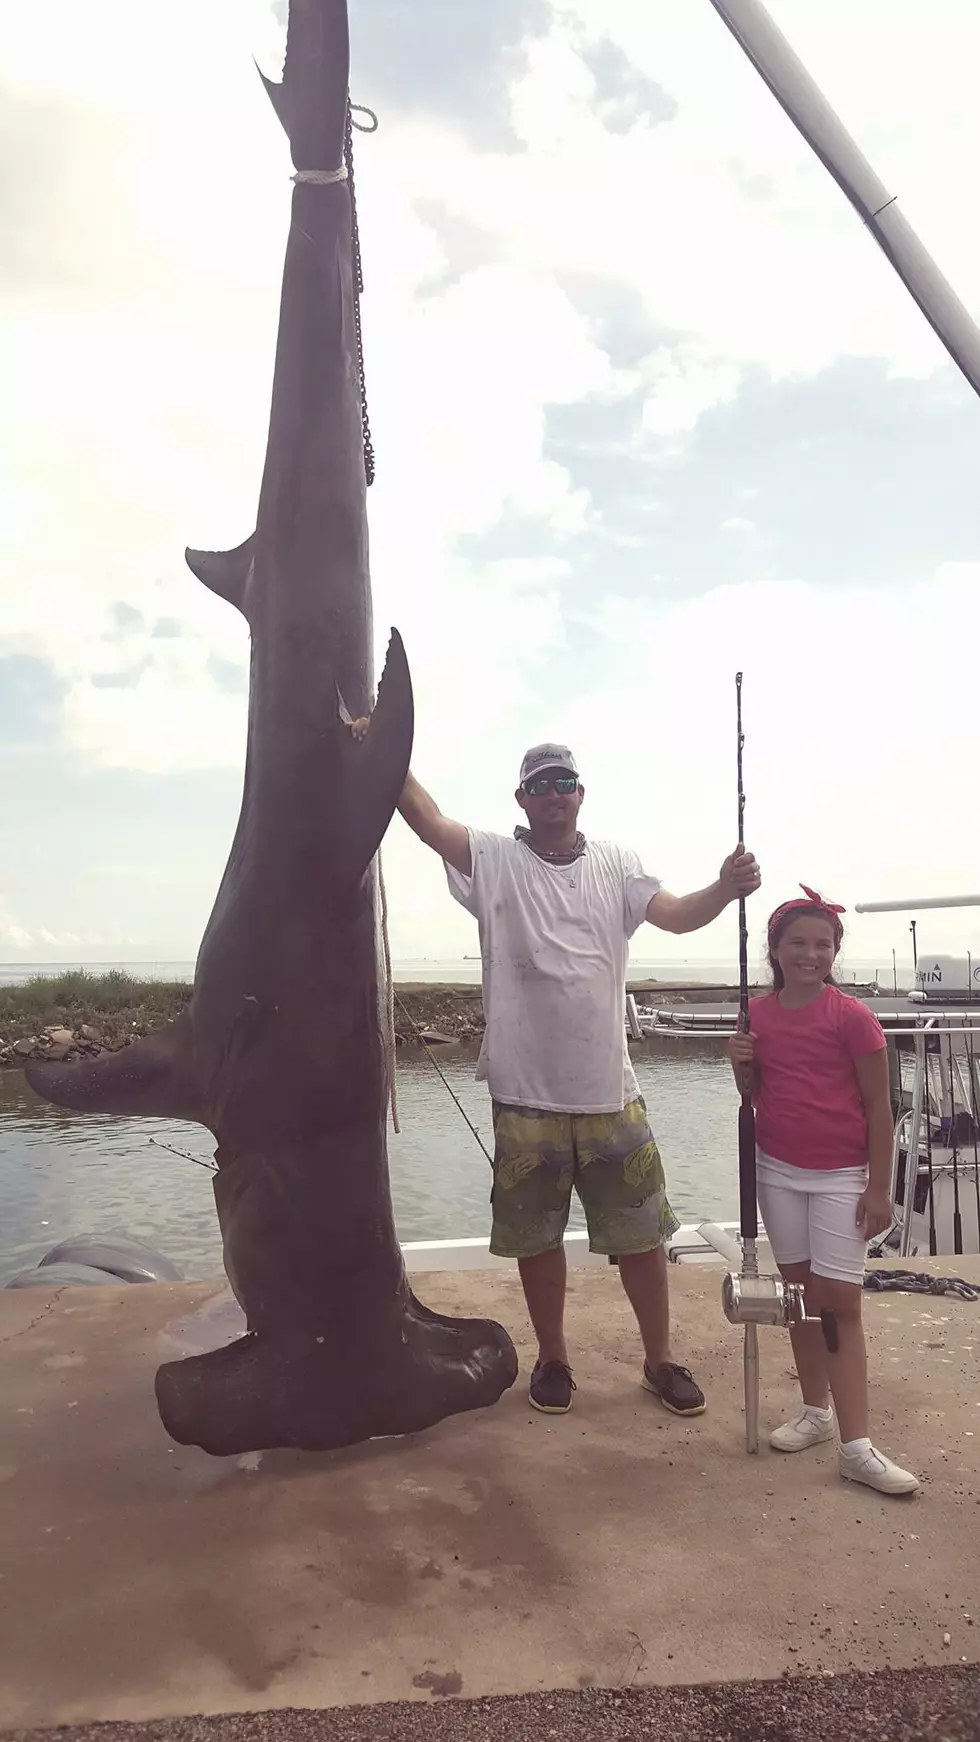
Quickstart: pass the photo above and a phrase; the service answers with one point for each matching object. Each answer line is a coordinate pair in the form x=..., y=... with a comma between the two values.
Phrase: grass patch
x=110, y=1002
x=119, y=1008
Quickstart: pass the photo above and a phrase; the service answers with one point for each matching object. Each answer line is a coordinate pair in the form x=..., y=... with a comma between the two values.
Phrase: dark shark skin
x=281, y=1051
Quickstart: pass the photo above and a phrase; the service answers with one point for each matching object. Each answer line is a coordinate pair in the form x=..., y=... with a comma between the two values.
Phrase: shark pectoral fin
x=375, y=768
x=226, y=572
x=151, y=1077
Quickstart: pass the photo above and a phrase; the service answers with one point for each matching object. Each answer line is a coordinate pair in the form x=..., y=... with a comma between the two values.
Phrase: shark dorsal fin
x=225, y=572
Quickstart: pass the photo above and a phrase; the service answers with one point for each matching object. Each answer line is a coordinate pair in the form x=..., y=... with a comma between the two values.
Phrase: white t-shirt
x=555, y=944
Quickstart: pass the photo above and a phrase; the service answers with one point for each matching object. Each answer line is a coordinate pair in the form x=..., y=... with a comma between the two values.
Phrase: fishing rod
x=975, y=1121
x=749, y=1299
x=391, y=994
x=445, y=1080
x=748, y=1207
x=209, y=1166
x=954, y=1138
x=747, y=1184
x=929, y=1166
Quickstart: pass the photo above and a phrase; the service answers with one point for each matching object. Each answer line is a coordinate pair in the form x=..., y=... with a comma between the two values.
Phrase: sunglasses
x=542, y=783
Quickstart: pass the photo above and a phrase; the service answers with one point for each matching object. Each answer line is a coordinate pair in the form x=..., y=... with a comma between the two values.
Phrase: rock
x=432, y=1037
x=58, y=1051
x=89, y=1033
x=24, y=1048
x=60, y=1036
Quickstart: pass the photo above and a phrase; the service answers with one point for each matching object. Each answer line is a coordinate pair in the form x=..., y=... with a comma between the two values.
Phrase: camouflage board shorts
x=612, y=1161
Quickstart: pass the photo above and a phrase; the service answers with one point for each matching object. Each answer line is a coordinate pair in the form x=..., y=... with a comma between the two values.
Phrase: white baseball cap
x=547, y=756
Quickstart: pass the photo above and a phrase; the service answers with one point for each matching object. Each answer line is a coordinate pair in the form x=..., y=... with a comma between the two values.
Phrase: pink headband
x=812, y=900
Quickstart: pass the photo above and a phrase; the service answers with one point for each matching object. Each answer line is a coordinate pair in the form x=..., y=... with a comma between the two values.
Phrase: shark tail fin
x=312, y=99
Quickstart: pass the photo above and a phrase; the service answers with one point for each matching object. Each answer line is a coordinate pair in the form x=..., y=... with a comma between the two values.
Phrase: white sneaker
x=804, y=1430
x=877, y=1471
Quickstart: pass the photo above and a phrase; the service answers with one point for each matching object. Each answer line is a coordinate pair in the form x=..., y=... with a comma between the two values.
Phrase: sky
x=649, y=407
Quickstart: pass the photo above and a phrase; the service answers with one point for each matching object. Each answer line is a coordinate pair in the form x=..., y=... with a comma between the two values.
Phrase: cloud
x=30, y=698
x=126, y=678
x=832, y=478
x=112, y=858
x=52, y=150
x=438, y=58
x=228, y=674
x=12, y=933
x=626, y=97
x=723, y=219
x=179, y=393
x=645, y=398
x=843, y=790
x=126, y=616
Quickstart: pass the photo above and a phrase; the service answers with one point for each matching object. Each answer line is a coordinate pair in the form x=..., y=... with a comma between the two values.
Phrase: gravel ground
x=921, y=1705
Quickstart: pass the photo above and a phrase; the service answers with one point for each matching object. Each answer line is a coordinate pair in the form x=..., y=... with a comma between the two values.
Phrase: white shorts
x=809, y=1216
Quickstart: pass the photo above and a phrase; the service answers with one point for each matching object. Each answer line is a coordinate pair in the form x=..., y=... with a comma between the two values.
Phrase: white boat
x=694, y=1243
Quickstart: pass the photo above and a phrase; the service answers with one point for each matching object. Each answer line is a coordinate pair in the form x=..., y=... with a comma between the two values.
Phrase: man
x=556, y=913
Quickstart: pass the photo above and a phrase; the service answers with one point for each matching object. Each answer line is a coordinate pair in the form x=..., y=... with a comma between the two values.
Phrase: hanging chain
x=362, y=127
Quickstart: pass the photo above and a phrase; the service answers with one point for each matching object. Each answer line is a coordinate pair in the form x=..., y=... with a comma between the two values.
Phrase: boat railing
x=936, y=1105
x=642, y=1022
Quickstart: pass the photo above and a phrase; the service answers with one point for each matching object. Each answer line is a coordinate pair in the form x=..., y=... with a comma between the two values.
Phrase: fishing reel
x=770, y=1300
x=752, y=1300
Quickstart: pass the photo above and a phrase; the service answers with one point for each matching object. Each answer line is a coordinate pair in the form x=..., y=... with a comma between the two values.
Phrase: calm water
x=466, y=971
x=62, y=1174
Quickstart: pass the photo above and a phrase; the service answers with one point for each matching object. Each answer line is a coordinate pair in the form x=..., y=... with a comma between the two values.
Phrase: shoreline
x=80, y=1015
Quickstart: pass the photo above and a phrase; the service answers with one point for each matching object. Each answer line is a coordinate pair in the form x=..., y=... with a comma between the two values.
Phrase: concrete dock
x=501, y=1554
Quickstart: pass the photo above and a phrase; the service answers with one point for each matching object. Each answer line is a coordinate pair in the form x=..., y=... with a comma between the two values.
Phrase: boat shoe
x=675, y=1386
x=551, y=1387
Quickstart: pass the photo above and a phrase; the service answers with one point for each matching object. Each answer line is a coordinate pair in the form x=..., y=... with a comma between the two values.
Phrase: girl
x=816, y=1068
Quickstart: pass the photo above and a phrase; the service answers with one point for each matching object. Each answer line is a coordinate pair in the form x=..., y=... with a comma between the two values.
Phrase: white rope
x=321, y=178
x=389, y=1001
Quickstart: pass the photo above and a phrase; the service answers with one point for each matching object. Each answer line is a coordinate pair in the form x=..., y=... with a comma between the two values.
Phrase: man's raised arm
x=450, y=840
x=423, y=816
x=683, y=913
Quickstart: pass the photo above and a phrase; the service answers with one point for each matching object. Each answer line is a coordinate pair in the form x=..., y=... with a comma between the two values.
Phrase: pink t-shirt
x=808, y=1107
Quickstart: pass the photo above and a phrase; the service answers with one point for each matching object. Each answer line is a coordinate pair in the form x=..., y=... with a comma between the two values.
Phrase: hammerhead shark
x=281, y=1051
